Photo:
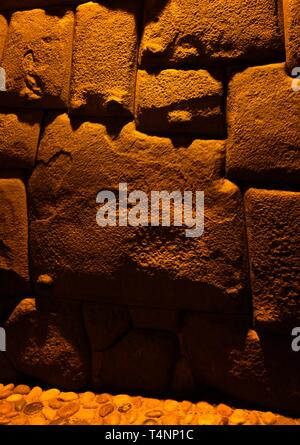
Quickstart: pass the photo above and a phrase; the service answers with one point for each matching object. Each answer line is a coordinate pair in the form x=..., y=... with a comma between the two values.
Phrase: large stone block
x=273, y=219
x=37, y=58
x=19, y=135
x=48, y=346
x=3, y=32
x=177, y=101
x=22, y=4
x=14, y=279
x=253, y=366
x=142, y=361
x=194, y=32
x=153, y=266
x=291, y=14
x=104, y=59
x=263, y=127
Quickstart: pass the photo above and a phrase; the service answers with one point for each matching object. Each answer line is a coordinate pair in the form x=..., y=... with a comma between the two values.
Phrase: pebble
x=253, y=419
x=56, y=404
x=210, y=419
x=9, y=387
x=113, y=419
x=103, y=398
x=50, y=395
x=171, y=405
x=125, y=407
x=239, y=417
x=68, y=396
x=5, y=408
x=34, y=394
x=154, y=413
x=137, y=401
x=4, y=393
x=151, y=403
x=150, y=422
x=49, y=413
x=33, y=408
x=188, y=419
x=204, y=407
x=68, y=409
x=22, y=389
x=268, y=418
x=15, y=398
x=224, y=410
x=186, y=406
x=20, y=405
x=121, y=400
x=170, y=419
x=105, y=410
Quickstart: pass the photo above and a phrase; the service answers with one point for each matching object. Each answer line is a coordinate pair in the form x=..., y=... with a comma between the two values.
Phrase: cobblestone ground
x=22, y=405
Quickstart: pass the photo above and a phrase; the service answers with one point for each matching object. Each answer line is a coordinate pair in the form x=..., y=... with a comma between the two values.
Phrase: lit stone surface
x=37, y=59
x=291, y=13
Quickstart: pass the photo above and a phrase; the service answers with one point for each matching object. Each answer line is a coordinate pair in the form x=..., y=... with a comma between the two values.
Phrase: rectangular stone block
x=273, y=219
x=291, y=16
x=37, y=59
x=3, y=32
x=158, y=267
x=197, y=33
x=104, y=59
x=177, y=101
x=14, y=279
x=263, y=118
x=19, y=136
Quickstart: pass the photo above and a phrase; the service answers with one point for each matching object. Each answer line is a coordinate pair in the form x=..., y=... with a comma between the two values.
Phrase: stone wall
x=163, y=95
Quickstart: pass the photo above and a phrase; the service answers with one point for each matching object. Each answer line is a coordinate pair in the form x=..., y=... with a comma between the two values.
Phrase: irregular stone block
x=177, y=101
x=20, y=4
x=14, y=279
x=248, y=365
x=37, y=58
x=119, y=264
x=148, y=318
x=291, y=14
x=48, y=346
x=273, y=219
x=198, y=33
x=262, y=145
x=145, y=360
x=19, y=136
x=105, y=324
x=3, y=32
x=104, y=59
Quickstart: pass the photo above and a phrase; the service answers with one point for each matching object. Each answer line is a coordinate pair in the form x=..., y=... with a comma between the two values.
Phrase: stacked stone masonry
x=163, y=95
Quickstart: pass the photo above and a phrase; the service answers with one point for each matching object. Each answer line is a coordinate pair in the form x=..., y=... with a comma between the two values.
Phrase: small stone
x=154, y=413
x=22, y=389
x=205, y=407
x=170, y=419
x=105, y=410
x=171, y=405
x=49, y=413
x=1, y=386
x=88, y=400
x=59, y=421
x=15, y=398
x=113, y=419
x=9, y=387
x=151, y=403
x=186, y=406
x=68, y=396
x=68, y=409
x=50, y=395
x=5, y=393
x=137, y=401
x=253, y=418
x=268, y=418
x=121, y=400
x=224, y=410
x=5, y=408
x=85, y=415
x=33, y=408
x=239, y=417
x=125, y=408
x=37, y=420
x=55, y=404
x=103, y=398
x=150, y=422
x=189, y=419
x=4, y=421
x=20, y=420
x=45, y=279
x=131, y=418
x=209, y=419
x=20, y=405
x=34, y=394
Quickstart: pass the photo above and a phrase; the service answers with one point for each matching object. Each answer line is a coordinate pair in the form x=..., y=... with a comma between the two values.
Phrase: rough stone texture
x=105, y=324
x=291, y=14
x=3, y=32
x=147, y=318
x=48, y=346
x=262, y=145
x=273, y=219
x=177, y=101
x=104, y=59
x=132, y=364
x=20, y=4
x=19, y=135
x=197, y=32
x=37, y=58
x=155, y=266
x=248, y=365
x=14, y=279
